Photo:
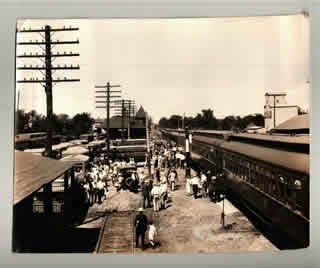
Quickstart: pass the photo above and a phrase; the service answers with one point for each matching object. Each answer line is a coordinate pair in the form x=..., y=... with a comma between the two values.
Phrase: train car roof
x=291, y=160
x=31, y=133
x=208, y=140
x=297, y=139
x=31, y=172
x=221, y=132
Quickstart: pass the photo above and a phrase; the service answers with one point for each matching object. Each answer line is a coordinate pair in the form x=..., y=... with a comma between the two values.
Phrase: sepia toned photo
x=186, y=135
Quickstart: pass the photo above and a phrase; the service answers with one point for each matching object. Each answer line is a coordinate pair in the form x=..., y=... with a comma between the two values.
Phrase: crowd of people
x=156, y=181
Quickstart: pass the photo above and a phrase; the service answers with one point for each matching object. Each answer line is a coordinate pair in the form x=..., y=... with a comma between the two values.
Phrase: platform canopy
x=37, y=151
x=62, y=145
x=295, y=124
x=32, y=171
x=80, y=158
x=97, y=143
x=76, y=150
x=78, y=142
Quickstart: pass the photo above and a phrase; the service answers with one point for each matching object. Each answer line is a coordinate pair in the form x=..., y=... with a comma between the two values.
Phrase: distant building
x=276, y=110
x=135, y=128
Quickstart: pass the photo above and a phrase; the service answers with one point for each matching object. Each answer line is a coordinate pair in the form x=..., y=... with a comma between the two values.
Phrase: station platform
x=187, y=225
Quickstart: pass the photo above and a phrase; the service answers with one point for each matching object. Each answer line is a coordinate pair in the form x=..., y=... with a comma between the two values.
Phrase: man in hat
x=141, y=224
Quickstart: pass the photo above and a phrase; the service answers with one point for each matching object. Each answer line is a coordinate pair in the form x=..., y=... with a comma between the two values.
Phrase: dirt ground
x=187, y=224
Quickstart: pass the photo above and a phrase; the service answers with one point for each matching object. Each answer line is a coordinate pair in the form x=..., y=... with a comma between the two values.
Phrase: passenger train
x=34, y=140
x=270, y=173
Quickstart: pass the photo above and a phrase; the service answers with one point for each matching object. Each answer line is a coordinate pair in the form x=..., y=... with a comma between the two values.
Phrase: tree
x=81, y=124
x=21, y=120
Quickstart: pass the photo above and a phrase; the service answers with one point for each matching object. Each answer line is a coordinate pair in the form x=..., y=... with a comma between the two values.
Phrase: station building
x=133, y=128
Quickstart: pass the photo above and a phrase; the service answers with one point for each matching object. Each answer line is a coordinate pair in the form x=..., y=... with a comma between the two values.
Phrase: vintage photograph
x=186, y=135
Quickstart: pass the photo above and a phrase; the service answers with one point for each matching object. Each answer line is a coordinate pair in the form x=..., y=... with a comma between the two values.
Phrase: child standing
x=152, y=234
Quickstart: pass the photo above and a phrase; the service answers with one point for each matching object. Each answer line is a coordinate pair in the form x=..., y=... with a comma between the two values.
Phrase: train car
x=34, y=140
x=269, y=173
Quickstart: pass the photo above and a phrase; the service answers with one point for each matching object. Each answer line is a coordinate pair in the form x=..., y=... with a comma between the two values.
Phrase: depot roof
x=32, y=171
x=296, y=123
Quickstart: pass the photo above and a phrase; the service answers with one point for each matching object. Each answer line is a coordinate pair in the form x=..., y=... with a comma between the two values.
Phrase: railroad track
x=117, y=234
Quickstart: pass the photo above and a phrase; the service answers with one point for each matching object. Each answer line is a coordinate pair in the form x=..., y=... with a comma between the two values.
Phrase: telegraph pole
x=183, y=120
x=48, y=89
x=47, y=81
x=148, y=145
x=107, y=100
x=187, y=150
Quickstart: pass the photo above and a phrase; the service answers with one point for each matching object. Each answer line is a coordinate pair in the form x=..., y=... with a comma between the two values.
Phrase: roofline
x=276, y=94
x=285, y=106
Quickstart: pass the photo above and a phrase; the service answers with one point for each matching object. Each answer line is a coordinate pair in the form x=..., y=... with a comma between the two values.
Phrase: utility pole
x=49, y=57
x=148, y=145
x=183, y=120
x=188, y=139
x=107, y=100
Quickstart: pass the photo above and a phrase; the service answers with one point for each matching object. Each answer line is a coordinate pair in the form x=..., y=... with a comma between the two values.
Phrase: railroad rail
x=117, y=234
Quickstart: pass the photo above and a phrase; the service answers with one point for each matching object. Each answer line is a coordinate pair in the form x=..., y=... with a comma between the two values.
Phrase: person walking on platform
x=204, y=184
x=146, y=194
x=152, y=234
x=163, y=193
x=86, y=188
x=155, y=193
x=141, y=224
x=94, y=191
x=156, y=163
x=100, y=190
x=172, y=179
x=195, y=185
x=188, y=185
x=158, y=174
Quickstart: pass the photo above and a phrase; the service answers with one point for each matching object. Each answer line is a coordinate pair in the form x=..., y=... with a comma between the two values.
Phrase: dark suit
x=141, y=223
x=146, y=194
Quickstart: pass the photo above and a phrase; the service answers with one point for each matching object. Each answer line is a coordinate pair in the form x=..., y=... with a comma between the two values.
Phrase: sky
x=176, y=66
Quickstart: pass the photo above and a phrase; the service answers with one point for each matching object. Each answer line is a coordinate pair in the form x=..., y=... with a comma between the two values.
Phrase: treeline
x=61, y=123
x=206, y=120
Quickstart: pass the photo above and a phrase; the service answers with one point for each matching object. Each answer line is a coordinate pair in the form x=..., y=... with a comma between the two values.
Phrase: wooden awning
x=32, y=171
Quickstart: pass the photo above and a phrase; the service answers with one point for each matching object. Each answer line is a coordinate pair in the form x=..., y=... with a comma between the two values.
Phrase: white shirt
x=172, y=176
x=155, y=190
x=152, y=232
x=195, y=180
x=100, y=185
x=203, y=178
x=163, y=188
x=86, y=187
